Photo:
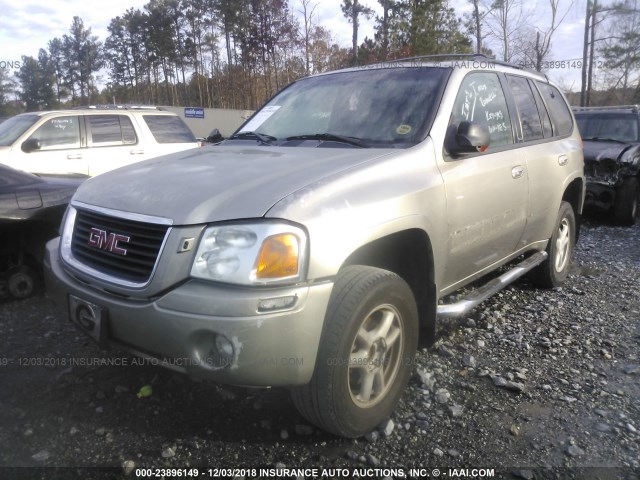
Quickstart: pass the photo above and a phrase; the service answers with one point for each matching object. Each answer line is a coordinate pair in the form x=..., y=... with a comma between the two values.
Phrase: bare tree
x=595, y=15
x=620, y=50
x=506, y=23
x=307, y=14
x=542, y=47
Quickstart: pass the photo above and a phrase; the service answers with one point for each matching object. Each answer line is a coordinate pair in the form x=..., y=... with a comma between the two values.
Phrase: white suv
x=90, y=141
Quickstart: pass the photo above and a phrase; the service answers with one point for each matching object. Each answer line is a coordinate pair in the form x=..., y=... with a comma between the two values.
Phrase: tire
x=366, y=353
x=21, y=282
x=626, y=206
x=554, y=270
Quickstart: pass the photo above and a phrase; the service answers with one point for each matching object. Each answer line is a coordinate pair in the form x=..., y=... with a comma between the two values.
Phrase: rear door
x=544, y=124
x=113, y=142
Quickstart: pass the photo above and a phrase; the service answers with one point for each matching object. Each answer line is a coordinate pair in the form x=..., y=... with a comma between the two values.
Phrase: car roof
x=102, y=109
x=611, y=109
x=454, y=61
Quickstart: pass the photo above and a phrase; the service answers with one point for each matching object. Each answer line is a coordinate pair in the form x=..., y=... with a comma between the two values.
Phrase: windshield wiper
x=331, y=137
x=262, y=138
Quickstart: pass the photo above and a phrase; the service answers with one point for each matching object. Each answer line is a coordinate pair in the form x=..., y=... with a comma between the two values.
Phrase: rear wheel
x=366, y=353
x=626, y=205
x=555, y=269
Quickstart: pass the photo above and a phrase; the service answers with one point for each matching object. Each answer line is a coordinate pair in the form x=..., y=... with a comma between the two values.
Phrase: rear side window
x=59, y=132
x=481, y=99
x=168, y=129
x=111, y=130
x=558, y=109
x=527, y=109
x=547, y=129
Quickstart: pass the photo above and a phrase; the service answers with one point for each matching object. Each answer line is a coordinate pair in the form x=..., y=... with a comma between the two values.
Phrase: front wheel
x=22, y=282
x=554, y=271
x=366, y=353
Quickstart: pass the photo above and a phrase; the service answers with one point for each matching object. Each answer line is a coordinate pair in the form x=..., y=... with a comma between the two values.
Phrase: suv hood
x=597, y=150
x=217, y=183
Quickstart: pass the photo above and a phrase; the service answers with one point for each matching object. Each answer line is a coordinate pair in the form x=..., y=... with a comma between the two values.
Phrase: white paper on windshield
x=260, y=118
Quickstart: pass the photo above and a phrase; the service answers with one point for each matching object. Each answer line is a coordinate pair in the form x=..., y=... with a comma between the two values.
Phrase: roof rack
x=465, y=56
x=633, y=108
x=440, y=56
x=118, y=107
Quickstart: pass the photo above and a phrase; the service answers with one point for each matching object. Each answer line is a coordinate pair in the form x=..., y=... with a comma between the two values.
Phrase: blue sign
x=192, y=112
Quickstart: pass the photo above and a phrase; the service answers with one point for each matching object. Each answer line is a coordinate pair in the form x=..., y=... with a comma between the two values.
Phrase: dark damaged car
x=611, y=138
x=31, y=209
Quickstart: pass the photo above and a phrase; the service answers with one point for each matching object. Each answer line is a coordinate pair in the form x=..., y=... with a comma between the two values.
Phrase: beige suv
x=315, y=246
x=90, y=141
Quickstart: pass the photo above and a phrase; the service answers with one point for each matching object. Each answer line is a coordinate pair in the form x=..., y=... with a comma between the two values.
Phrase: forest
x=237, y=53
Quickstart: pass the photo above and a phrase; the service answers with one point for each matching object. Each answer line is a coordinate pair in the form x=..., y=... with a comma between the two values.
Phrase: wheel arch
x=408, y=254
x=574, y=194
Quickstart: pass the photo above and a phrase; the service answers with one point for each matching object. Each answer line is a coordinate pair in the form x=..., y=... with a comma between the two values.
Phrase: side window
x=168, y=129
x=527, y=109
x=111, y=130
x=547, y=129
x=58, y=133
x=481, y=99
x=560, y=114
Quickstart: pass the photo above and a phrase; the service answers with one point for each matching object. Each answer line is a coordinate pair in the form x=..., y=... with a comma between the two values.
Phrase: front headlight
x=251, y=254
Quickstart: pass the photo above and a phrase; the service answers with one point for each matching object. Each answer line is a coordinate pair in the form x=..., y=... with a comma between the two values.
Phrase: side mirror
x=30, y=145
x=215, y=136
x=469, y=137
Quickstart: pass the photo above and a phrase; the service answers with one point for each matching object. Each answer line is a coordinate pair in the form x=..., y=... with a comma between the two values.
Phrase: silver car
x=313, y=248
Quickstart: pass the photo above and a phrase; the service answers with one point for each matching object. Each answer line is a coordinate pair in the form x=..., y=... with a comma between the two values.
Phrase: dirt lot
x=533, y=384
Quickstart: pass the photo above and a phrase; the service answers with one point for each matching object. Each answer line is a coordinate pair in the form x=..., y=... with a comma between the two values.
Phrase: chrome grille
x=132, y=260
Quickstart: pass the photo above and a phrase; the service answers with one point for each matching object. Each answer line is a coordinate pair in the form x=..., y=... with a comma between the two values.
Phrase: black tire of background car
x=21, y=282
x=327, y=400
x=626, y=206
x=546, y=275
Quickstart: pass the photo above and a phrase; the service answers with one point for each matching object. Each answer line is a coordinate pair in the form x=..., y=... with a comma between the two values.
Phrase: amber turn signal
x=278, y=257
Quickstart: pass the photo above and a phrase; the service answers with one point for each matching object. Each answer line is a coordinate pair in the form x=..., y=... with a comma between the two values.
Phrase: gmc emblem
x=108, y=241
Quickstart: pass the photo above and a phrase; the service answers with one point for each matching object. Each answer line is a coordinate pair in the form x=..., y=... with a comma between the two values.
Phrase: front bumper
x=599, y=195
x=179, y=328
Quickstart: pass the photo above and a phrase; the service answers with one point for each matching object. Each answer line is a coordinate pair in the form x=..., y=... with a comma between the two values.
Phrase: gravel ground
x=532, y=384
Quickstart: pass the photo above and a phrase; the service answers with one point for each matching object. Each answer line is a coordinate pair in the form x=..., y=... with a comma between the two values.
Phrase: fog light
x=224, y=346
x=277, y=303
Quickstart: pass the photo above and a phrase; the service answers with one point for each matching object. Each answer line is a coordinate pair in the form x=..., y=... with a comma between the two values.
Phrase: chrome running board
x=469, y=302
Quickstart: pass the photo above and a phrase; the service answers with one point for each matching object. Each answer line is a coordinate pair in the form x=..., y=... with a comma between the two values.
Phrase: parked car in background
x=90, y=141
x=611, y=138
x=31, y=209
x=315, y=246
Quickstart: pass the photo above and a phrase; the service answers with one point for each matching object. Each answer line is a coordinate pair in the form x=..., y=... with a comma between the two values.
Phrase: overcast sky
x=28, y=25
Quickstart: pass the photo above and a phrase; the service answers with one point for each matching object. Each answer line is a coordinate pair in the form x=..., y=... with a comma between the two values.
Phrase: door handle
x=517, y=171
x=136, y=152
x=563, y=160
x=74, y=156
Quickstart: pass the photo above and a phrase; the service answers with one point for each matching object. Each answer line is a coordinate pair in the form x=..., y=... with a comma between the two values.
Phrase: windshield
x=608, y=126
x=12, y=128
x=384, y=107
